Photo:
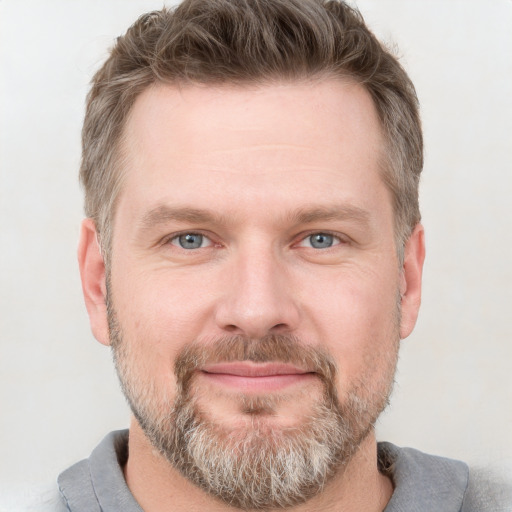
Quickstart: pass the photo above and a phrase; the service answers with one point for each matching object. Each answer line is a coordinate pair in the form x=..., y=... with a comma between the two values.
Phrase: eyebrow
x=327, y=213
x=163, y=214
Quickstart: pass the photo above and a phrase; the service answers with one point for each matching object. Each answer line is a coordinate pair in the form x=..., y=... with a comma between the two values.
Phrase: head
x=251, y=173
x=261, y=41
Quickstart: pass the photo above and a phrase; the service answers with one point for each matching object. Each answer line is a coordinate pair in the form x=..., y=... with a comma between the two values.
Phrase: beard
x=255, y=464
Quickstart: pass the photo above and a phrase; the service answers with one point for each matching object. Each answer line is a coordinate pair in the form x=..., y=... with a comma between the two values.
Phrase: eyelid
x=167, y=240
x=340, y=237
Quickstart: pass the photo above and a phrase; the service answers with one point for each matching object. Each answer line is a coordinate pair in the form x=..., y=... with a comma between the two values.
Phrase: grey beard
x=260, y=468
x=256, y=467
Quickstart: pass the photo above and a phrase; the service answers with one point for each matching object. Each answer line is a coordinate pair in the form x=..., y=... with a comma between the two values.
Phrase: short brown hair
x=248, y=41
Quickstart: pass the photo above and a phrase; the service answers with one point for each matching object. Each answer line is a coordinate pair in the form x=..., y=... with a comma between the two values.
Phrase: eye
x=320, y=241
x=191, y=241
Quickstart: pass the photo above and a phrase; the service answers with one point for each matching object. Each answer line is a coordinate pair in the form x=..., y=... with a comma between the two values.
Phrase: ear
x=410, y=284
x=92, y=273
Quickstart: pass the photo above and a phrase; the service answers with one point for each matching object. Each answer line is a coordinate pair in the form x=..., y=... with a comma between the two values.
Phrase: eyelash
x=339, y=239
x=176, y=236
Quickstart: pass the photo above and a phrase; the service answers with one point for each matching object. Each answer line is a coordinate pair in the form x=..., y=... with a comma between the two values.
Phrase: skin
x=266, y=167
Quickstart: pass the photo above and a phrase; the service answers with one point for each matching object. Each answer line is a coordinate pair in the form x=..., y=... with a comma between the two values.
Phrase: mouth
x=249, y=377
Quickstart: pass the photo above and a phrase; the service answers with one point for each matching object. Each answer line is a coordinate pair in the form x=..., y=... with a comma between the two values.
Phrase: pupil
x=191, y=241
x=321, y=241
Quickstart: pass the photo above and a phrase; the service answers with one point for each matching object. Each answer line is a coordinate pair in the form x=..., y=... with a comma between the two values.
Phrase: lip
x=247, y=376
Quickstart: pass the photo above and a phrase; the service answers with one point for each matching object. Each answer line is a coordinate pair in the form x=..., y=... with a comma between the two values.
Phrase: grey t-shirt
x=422, y=483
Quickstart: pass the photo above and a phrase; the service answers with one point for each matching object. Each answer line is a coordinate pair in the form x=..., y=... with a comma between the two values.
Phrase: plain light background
x=58, y=392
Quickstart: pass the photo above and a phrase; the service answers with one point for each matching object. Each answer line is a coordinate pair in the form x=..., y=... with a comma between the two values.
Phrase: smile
x=253, y=377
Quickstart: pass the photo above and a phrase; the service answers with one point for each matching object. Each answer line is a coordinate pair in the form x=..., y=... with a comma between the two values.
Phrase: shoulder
x=98, y=483
x=428, y=482
x=489, y=490
x=77, y=483
x=50, y=501
x=40, y=498
x=422, y=481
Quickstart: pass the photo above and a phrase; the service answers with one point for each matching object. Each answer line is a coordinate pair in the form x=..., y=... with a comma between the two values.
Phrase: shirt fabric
x=422, y=483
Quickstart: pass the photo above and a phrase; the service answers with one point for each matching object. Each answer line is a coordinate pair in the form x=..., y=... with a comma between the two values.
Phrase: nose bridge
x=258, y=298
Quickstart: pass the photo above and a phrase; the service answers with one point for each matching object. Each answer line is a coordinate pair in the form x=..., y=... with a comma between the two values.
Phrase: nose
x=258, y=296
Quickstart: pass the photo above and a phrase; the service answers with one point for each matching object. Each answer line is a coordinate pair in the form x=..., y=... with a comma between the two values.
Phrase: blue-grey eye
x=190, y=240
x=321, y=240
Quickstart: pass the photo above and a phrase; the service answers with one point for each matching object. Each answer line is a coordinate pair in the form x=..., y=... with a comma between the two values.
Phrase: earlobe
x=92, y=273
x=410, y=286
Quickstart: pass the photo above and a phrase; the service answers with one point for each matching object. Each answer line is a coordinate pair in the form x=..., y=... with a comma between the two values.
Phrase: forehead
x=324, y=111
x=245, y=141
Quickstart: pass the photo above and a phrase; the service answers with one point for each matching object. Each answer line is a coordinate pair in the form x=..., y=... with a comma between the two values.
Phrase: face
x=255, y=291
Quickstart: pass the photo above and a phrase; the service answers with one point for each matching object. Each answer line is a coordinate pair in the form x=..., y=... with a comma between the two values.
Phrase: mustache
x=271, y=348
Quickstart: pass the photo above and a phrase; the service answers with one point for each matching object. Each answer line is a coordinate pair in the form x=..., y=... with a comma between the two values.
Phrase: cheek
x=357, y=320
x=160, y=304
x=157, y=319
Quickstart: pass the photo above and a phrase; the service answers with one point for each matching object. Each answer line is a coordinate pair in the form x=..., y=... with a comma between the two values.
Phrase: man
x=253, y=255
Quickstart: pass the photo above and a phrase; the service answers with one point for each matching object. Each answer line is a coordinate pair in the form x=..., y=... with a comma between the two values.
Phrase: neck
x=158, y=487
